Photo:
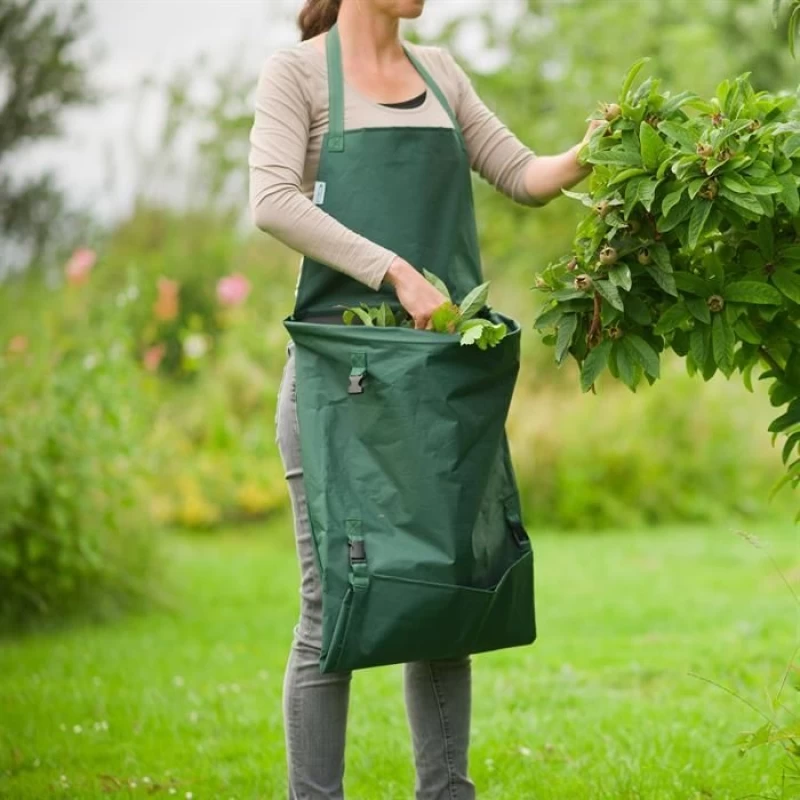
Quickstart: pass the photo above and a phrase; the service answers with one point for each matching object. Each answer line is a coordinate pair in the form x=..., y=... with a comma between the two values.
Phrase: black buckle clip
x=358, y=553
x=356, y=384
x=520, y=534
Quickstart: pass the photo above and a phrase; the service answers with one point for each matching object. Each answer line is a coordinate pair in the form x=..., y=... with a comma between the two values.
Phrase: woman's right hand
x=417, y=296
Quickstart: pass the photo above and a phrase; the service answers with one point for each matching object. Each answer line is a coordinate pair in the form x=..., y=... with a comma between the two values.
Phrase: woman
x=348, y=241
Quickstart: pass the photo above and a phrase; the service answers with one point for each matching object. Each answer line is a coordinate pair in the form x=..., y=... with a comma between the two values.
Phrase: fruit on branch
x=582, y=283
x=715, y=303
x=609, y=256
x=644, y=257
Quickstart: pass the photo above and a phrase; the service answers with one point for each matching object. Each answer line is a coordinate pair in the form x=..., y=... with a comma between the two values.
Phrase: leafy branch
x=691, y=243
x=449, y=318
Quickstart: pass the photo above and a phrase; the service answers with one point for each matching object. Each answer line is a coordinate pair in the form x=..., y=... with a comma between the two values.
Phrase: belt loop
x=358, y=373
x=359, y=575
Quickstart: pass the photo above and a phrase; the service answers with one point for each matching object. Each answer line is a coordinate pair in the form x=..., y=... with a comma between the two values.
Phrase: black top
x=414, y=102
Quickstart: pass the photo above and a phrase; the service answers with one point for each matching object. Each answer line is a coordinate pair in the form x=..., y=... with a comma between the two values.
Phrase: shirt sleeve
x=495, y=153
x=278, y=146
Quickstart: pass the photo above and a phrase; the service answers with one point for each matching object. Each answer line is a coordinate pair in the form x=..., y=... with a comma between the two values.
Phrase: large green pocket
x=395, y=620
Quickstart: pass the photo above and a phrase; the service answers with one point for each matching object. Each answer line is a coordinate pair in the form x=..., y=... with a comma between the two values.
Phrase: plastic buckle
x=356, y=384
x=358, y=553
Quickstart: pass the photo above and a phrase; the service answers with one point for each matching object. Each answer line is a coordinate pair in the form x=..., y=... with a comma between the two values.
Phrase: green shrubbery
x=73, y=531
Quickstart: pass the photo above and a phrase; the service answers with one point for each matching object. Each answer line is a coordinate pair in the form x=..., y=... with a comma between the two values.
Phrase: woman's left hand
x=594, y=124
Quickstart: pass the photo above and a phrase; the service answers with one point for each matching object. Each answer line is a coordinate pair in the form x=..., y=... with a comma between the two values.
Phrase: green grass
x=604, y=705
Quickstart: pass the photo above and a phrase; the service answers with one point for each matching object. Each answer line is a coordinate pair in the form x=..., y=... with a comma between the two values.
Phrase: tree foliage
x=691, y=244
x=42, y=76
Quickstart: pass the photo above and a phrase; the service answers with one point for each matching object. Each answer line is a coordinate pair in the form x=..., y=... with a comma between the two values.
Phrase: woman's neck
x=368, y=36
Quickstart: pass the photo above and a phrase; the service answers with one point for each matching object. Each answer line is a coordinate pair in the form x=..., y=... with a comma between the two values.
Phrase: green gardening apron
x=412, y=498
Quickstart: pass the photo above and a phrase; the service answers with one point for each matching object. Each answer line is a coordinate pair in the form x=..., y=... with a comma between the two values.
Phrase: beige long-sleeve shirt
x=291, y=119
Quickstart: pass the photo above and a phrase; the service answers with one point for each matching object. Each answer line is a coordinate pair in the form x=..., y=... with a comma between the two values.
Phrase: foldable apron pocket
x=395, y=620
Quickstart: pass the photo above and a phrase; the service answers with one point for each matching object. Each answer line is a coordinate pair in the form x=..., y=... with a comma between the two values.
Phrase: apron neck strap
x=333, y=47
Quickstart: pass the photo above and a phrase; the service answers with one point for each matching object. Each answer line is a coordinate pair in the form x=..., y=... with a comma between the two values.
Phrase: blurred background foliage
x=140, y=361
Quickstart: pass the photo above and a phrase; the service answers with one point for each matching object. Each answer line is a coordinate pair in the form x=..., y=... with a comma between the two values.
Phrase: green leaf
x=672, y=318
x=790, y=194
x=652, y=147
x=594, y=364
x=676, y=216
x=436, y=281
x=627, y=83
x=637, y=310
x=626, y=175
x=351, y=313
x=752, y=292
x=697, y=224
x=686, y=138
x=745, y=201
x=445, y=318
x=698, y=308
x=620, y=276
x=643, y=353
x=789, y=446
x=746, y=332
x=626, y=366
x=787, y=420
x=735, y=183
x=665, y=280
x=617, y=156
x=610, y=293
x=481, y=332
x=474, y=301
x=693, y=284
x=671, y=200
x=698, y=344
x=566, y=330
x=788, y=282
x=548, y=317
x=723, y=342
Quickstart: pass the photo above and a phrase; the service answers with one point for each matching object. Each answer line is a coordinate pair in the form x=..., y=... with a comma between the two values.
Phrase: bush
x=74, y=533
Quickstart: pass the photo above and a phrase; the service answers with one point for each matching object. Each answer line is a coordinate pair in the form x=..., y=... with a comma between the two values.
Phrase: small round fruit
x=705, y=150
x=634, y=226
x=710, y=190
x=644, y=256
x=602, y=208
x=582, y=283
x=573, y=265
x=614, y=332
x=612, y=111
x=541, y=283
x=715, y=303
x=609, y=256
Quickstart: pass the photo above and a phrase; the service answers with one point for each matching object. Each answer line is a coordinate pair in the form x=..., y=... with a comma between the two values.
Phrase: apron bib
x=412, y=498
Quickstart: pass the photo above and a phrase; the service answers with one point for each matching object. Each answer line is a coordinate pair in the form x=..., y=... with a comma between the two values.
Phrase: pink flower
x=166, y=306
x=18, y=344
x=233, y=290
x=80, y=265
x=153, y=357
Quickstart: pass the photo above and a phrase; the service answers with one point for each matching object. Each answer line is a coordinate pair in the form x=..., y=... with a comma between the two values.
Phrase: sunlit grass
x=609, y=703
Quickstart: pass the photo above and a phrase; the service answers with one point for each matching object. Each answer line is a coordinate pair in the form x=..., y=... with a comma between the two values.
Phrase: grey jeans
x=437, y=694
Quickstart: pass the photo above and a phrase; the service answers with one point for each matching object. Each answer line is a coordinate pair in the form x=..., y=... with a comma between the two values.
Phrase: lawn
x=609, y=703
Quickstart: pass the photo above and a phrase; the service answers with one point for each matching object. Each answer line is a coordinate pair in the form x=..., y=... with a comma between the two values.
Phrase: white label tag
x=319, y=193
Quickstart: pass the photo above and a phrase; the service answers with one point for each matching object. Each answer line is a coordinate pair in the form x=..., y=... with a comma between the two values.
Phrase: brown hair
x=318, y=16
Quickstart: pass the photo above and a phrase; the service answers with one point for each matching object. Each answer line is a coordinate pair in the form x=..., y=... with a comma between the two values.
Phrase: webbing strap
x=336, y=136
x=335, y=91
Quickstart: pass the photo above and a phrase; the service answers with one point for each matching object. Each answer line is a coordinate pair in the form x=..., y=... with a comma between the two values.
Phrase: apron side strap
x=333, y=48
x=358, y=373
x=359, y=575
x=515, y=523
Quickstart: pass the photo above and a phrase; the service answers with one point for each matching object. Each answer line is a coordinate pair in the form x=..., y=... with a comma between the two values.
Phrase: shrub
x=692, y=244
x=74, y=534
